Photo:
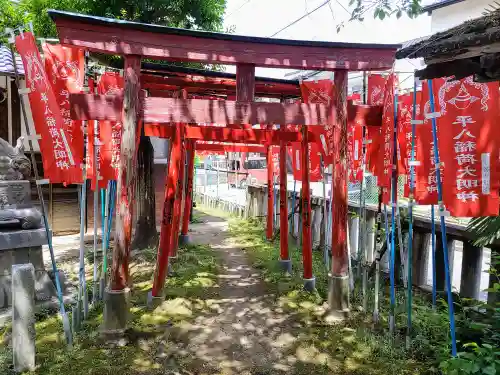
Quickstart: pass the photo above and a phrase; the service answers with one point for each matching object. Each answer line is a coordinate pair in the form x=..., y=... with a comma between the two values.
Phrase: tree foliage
x=382, y=9
x=189, y=14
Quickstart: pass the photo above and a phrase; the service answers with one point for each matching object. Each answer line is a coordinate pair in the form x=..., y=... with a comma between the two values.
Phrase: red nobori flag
x=315, y=174
x=110, y=132
x=405, y=141
x=320, y=92
x=425, y=173
x=405, y=107
x=386, y=154
x=376, y=89
x=65, y=69
x=468, y=145
x=59, y=164
x=373, y=147
x=354, y=151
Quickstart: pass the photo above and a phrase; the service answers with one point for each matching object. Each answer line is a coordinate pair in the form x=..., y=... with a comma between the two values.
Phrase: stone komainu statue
x=14, y=165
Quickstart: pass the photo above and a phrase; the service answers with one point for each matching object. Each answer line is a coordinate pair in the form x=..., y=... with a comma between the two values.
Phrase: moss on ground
x=359, y=346
x=195, y=273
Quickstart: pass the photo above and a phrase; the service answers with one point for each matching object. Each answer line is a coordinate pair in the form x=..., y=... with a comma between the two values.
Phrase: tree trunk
x=145, y=226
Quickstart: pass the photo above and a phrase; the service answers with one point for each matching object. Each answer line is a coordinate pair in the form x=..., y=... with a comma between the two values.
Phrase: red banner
x=425, y=173
x=376, y=89
x=65, y=68
x=354, y=151
x=468, y=145
x=404, y=139
x=320, y=92
x=373, y=148
x=315, y=174
x=59, y=164
x=386, y=154
x=110, y=132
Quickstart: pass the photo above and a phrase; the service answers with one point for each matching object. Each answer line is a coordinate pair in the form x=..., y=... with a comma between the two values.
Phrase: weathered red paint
x=178, y=199
x=230, y=135
x=339, y=179
x=126, y=174
x=270, y=195
x=110, y=38
x=201, y=111
x=283, y=204
x=199, y=83
x=188, y=202
x=306, y=208
x=166, y=230
x=222, y=148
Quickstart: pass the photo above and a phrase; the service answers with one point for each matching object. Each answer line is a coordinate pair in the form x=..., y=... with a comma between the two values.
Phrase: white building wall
x=453, y=15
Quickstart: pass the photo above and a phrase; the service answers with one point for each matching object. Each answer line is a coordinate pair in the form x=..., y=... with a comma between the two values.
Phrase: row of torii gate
x=179, y=119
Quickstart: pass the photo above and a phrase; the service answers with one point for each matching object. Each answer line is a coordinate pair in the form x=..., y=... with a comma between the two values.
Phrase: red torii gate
x=136, y=41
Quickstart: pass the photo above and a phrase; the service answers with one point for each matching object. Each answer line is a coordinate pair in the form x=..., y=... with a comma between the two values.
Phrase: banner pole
x=361, y=227
x=292, y=218
x=66, y=326
x=376, y=314
x=104, y=238
x=411, y=203
x=394, y=192
x=326, y=257
x=442, y=212
x=433, y=251
x=95, y=296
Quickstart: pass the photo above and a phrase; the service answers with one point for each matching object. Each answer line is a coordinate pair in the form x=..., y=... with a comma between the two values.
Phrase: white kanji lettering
x=51, y=121
x=60, y=154
x=432, y=188
x=467, y=146
x=464, y=120
x=432, y=179
x=466, y=132
x=466, y=171
x=466, y=184
x=466, y=196
x=57, y=143
x=465, y=158
x=62, y=164
x=43, y=97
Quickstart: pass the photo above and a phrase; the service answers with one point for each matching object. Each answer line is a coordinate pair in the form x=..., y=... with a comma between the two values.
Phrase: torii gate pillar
x=116, y=309
x=338, y=295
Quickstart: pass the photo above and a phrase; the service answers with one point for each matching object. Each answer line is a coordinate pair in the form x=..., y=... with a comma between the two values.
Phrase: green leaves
x=384, y=8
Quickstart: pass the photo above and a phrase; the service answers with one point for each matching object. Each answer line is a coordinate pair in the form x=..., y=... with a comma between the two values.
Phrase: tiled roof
x=6, y=65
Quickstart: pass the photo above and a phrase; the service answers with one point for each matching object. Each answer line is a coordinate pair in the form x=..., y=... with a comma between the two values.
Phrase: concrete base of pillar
x=310, y=284
x=153, y=302
x=184, y=240
x=338, y=296
x=286, y=265
x=116, y=312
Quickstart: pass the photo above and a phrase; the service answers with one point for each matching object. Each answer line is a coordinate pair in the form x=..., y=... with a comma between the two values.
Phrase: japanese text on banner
x=57, y=152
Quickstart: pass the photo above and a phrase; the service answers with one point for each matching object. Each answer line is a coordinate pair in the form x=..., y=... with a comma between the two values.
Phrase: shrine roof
x=469, y=48
x=112, y=36
x=57, y=14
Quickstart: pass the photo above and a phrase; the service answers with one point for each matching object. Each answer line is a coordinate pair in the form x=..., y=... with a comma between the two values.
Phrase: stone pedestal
x=116, y=312
x=23, y=317
x=23, y=247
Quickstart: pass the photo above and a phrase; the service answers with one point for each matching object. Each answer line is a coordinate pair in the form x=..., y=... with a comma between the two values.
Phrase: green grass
x=194, y=277
x=357, y=345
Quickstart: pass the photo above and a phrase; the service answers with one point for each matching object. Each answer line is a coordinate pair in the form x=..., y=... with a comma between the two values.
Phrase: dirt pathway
x=247, y=332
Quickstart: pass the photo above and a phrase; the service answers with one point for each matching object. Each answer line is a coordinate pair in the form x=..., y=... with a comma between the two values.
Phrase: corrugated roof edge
x=429, y=8
x=56, y=14
x=209, y=73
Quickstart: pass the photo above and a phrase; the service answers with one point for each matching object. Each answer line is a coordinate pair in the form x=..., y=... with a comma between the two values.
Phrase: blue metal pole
x=292, y=218
x=433, y=250
x=103, y=211
x=394, y=183
x=111, y=209
x=443, y=223
x=410, y=214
